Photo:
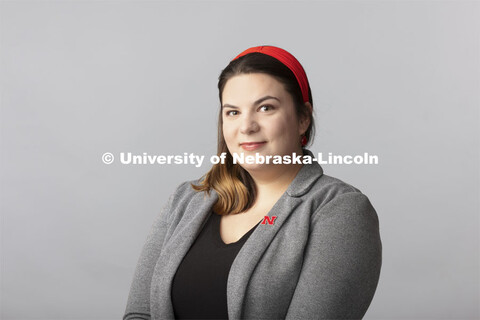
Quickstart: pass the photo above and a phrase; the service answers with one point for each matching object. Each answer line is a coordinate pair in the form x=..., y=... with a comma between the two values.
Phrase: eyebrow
x=226, y=105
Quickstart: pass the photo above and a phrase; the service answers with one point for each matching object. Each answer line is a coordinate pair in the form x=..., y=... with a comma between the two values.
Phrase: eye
x=231, y=113
x=266, y=107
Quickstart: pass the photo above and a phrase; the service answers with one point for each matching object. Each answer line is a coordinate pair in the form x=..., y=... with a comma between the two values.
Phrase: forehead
x=245, y=88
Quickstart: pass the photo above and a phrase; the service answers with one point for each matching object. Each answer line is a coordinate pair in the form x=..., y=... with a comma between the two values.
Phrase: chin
x=251, y=168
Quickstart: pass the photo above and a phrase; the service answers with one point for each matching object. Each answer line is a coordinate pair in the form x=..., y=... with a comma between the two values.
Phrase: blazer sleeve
x=138, y=304
x=342, y=261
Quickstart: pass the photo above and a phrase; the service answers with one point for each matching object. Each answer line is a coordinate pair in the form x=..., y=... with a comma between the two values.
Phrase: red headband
x=288, y=60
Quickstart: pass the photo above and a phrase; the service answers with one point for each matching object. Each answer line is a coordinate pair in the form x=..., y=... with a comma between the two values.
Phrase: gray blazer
x=320, y=259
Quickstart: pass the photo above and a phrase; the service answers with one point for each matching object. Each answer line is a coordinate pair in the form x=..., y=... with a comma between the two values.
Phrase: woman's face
x=259, y=117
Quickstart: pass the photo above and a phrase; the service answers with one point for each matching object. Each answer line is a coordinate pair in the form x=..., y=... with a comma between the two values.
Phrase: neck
x=275, y=181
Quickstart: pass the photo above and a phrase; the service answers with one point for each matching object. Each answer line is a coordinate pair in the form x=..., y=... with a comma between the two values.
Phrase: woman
x=260, y=240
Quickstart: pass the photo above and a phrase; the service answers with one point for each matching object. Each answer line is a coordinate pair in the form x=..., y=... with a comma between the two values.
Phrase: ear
x=305, y=118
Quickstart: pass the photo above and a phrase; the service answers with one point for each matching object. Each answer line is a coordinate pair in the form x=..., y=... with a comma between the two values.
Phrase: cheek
x=227, y=134
x=284, y=136
x=282, y=129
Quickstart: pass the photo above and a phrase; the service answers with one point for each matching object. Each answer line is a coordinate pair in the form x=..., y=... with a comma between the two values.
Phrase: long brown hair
x=234, y=185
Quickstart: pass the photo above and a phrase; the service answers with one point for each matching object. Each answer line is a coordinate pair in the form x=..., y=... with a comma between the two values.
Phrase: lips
x=250, y=146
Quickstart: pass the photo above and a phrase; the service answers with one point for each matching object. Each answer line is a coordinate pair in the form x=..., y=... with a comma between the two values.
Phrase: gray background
x=396, y=79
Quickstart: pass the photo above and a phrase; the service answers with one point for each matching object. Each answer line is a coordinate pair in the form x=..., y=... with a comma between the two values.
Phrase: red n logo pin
x=269, y=220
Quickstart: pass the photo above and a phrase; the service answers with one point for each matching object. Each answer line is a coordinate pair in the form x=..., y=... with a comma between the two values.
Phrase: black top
x=199, y=288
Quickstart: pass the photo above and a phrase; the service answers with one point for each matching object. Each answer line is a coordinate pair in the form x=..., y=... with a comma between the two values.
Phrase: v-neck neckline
x=217, y=237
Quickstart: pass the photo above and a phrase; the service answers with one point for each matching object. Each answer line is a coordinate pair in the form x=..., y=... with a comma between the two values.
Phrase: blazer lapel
x=175, y=249
x=251, y=252
x=255, y=246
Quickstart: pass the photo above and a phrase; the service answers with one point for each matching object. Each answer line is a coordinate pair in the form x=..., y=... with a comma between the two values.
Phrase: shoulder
x=327, y=188
x=183, y=201
x=336, y=198
x=335, y=186
x=185, y=188
x=184, y=192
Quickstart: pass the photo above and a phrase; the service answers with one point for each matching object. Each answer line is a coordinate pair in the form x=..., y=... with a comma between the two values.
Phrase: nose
x=249, y=124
